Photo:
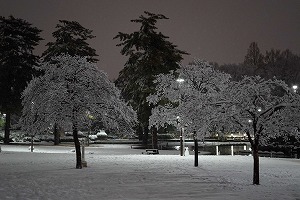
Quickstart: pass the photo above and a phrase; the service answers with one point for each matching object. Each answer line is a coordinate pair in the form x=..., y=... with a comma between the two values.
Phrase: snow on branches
x=264, y=109
x=189, y=96
x=70, y=88
x=204, y=100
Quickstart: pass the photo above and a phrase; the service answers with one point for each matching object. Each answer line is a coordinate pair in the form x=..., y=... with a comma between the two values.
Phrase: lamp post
x=90, y=118
x=83, y=161
x=180, y=80
x=3, y=117
x=31, y=144
x=6, y=127
x=181, y=135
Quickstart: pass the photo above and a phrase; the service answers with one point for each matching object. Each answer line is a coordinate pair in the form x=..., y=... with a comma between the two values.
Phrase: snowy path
x=49, y=175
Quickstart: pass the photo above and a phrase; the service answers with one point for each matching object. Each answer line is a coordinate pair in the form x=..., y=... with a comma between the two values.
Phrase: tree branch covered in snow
x=207, y=101
x=191, y=101
x=263, y=108
x=69, y=88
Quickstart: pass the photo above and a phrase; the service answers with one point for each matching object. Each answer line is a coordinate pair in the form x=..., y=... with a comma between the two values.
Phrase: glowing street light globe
x=295, y=87
x=180, y=80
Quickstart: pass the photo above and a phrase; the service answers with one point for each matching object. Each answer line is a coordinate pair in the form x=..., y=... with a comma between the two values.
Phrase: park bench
x=151, y=151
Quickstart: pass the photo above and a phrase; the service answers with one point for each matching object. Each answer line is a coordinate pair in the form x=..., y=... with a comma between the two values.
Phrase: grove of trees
x=284, y=65
x=207, y=101
x=64, y=87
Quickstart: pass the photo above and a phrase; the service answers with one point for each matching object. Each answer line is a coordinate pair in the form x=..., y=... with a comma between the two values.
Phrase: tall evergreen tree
x=254, y=59
x=149, y=54
x=253, y=56
x=70, y=38
x=17, y=41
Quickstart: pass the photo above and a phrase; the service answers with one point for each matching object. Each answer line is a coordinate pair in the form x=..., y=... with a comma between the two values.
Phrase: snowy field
x=118, y=172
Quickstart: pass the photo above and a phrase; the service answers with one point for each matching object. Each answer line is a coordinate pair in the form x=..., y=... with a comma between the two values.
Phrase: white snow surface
x=118, y=172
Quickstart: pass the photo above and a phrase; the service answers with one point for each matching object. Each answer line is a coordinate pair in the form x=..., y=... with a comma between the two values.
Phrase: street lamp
x=31, y=144
x=181, y=135
x=90, y=118
x=180, y=80
x=295, y=87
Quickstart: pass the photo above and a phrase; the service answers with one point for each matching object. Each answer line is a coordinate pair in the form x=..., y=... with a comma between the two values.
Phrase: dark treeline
x=283, y=65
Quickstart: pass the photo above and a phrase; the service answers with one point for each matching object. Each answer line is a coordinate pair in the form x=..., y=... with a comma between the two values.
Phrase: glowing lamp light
x=295, y=87
x=180, y=80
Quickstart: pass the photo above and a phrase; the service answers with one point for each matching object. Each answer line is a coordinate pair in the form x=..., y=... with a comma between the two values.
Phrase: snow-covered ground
x=118, y=172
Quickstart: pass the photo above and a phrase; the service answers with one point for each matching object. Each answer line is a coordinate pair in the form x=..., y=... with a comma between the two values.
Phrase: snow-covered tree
x=70, y=38
x=205, y=100
x=190, y=96
x=263, y=109
x=70, y=89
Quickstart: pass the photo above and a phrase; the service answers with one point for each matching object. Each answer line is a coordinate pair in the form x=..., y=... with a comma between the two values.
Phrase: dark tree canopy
x=283, y=65
x=71, y=39
x=149, y=54
x=17, y=41
x=255, y=60
x=253, y=56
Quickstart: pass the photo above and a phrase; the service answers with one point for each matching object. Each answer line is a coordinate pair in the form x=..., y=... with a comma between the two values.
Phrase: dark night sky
x=214, y=30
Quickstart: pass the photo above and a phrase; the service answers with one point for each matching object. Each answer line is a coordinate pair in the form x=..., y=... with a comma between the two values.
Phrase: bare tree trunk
x=31, y=144
x=256, y=164
x=145, y=136
x=181, y=142
x=77, y=147
x=154, y=138
x=139, y=131
x=7, y=128
x=196, y=149
x=56, y=135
